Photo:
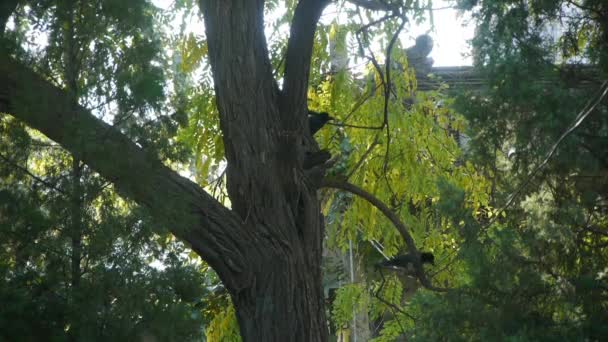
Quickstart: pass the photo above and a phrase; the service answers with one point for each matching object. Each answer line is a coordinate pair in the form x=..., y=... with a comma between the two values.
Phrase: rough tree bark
x=264, y=138
x=267, y=249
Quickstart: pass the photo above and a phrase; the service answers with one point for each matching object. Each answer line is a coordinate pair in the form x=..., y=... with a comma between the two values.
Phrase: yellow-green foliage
x=401, y=163
x=421, y=151
x=224, y=327
x=349, y=299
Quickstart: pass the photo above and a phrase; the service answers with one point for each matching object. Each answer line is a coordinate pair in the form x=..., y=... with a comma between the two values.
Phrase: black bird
x=312, y=159
x=407, y=260
x=317, y=120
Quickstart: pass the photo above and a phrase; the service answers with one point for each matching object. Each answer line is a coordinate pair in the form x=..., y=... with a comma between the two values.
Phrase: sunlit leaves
x=349, y=299
x=422, y=150
x=402, y=156
x=203, y=134
x=224, y=327
x=193, y=51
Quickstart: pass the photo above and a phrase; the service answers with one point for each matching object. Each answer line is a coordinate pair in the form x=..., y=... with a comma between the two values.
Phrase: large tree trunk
x=267, y=248
x=265, y=137
x=285, y=302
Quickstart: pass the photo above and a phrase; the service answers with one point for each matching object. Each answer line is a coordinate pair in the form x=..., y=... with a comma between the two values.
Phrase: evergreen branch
x=33, y=176
x=582, y=115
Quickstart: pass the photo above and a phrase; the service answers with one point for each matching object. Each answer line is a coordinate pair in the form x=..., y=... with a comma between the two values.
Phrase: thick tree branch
x=15, y=165
x=247, y=99
x=238, y=55
x=297, y=60
x=212, y=230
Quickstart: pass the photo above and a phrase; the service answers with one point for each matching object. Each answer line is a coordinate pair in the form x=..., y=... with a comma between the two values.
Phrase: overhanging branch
x=211, y=229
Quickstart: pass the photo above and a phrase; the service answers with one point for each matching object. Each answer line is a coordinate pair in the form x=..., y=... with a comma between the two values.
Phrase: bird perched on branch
x=317, y=120
x=407, y=261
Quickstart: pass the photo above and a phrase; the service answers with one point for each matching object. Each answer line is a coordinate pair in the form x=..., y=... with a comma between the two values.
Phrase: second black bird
x=317, y=120
x=407, y=261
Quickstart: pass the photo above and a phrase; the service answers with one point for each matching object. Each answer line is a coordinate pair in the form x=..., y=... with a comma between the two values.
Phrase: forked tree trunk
x=267, y=247
x=266, y=140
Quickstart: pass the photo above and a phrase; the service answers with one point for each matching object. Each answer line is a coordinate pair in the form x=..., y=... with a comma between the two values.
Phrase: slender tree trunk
x=71, y=72
x=76, y=230
x=76, y=225
x=70, y=75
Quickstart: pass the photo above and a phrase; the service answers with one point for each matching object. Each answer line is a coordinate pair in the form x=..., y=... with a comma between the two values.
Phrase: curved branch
x=373, y=200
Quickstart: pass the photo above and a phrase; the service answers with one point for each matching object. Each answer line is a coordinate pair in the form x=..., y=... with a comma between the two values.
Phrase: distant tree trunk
x=76, y=225
x=71, y=71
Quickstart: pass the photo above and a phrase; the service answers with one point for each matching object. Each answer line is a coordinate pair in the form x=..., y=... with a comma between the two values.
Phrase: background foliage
x=520, y=250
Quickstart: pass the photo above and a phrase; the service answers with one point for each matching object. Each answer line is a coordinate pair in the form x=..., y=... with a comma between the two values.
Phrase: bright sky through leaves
x=450, y=34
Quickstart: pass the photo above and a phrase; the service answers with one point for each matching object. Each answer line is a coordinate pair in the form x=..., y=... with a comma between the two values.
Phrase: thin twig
x=36, y=178
x=583, y=114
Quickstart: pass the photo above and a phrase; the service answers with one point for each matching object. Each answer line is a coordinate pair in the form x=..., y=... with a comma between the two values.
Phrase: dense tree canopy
x=160, y=180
